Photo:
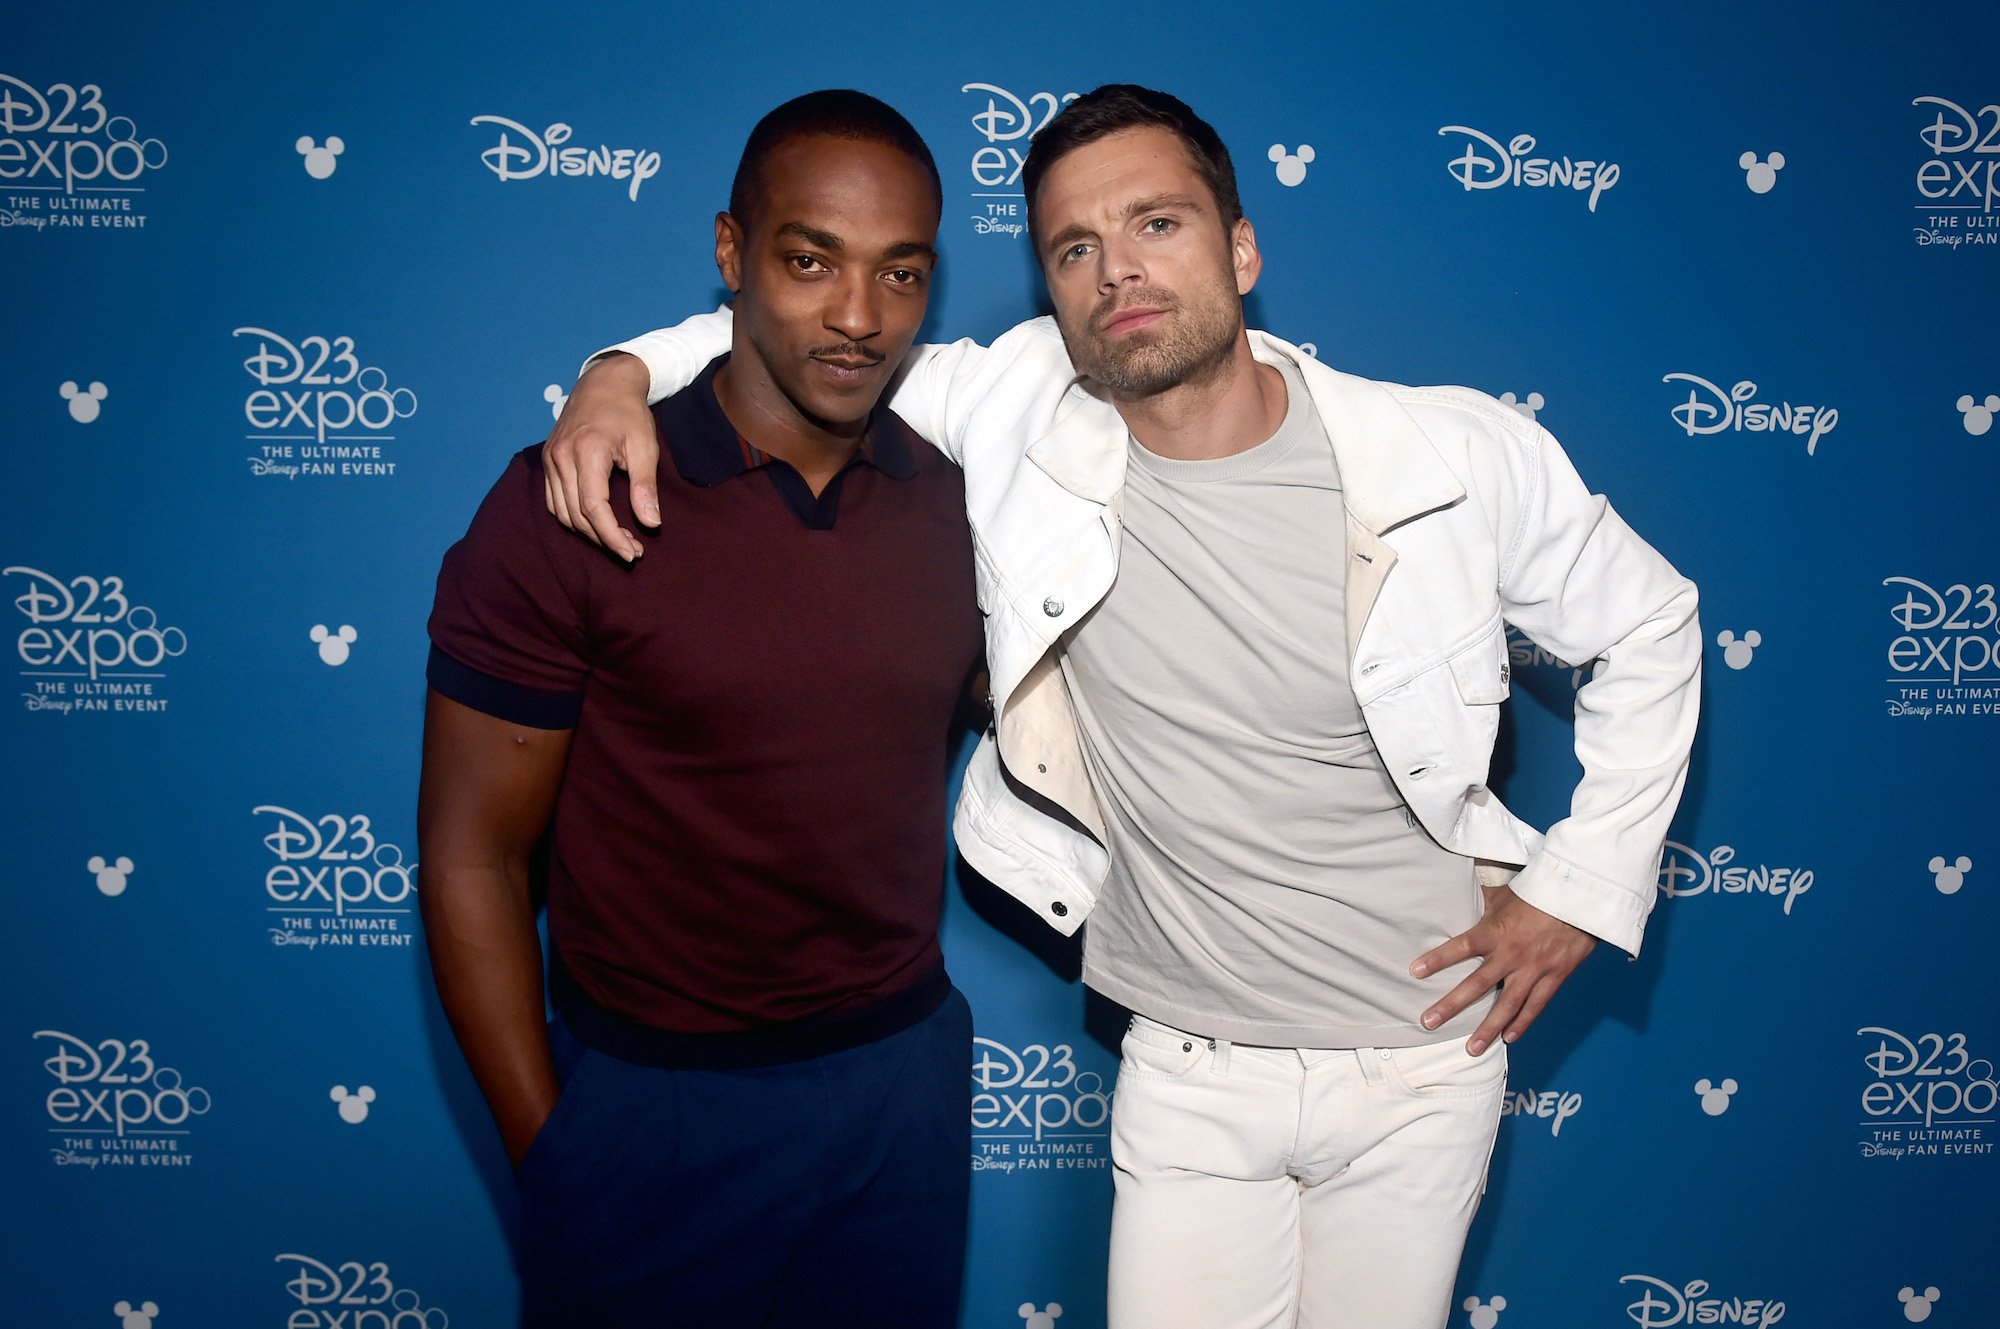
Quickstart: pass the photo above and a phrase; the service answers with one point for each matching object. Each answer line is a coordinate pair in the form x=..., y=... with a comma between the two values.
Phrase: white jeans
x=1268, y=1188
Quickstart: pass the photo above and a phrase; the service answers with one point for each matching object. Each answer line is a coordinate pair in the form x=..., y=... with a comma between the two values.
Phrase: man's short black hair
x=836, y=113
x=1120, y=106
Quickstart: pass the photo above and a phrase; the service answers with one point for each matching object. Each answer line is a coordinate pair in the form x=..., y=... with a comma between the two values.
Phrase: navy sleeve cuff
x=499, y=698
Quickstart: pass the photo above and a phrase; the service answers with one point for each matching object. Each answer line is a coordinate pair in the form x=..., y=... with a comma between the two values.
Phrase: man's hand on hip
x=1524, y=952
x=605, y=423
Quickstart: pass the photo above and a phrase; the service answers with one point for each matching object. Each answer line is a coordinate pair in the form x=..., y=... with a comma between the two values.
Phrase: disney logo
x=1687, y=872
x=1661, y=1305
x=1509, y=164
x=1721, y=410
x=535, y=154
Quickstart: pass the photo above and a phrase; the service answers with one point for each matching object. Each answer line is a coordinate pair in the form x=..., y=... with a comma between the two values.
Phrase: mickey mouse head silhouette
x=556, y=398
x=83, y=405
x=1291, y=165
x=1737, y=651
x=136, y=1319
x=1978, y=414
x=1917, y=1305
x=1715, y=1097
x=1950, y=876
x=1487, y=1316
x=1534, y=402
x=110, y=876
x=333, y=646
x=1761, y=176
x=354, y=1106
x=1040, y=1319
x=320, y=161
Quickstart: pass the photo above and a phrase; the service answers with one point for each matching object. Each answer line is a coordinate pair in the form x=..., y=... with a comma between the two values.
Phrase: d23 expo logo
x=1006, y=123
x=353, y=1294
x=1925, y=1097
x=1034, y=1111
x=334, y=884
x=114, y=1105
x=67, y=163
x=1958, y=177
x=87, y=647
x=316, y=410
x=1944, y=658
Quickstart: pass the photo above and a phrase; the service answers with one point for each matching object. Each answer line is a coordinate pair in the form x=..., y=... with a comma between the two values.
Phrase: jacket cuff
x=1582, y=899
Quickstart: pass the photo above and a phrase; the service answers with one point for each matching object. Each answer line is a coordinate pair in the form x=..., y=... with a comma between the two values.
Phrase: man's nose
x=855, y=312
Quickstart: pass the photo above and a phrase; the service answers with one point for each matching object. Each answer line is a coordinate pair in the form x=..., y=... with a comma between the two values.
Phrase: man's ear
x=729, y=251
x=1244, y=255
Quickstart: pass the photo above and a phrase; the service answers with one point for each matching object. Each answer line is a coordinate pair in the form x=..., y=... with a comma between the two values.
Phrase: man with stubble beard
x=752, y=1106
x=1246, y=624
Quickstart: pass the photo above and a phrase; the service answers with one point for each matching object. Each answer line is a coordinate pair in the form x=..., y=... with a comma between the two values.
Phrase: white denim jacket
x=1462, y=516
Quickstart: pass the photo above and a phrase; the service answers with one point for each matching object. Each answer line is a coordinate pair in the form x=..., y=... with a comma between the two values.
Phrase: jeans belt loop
x=1220, y=1047
x=1370, y=1060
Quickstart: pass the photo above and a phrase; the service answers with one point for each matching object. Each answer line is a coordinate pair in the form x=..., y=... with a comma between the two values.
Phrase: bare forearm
x=487, y=960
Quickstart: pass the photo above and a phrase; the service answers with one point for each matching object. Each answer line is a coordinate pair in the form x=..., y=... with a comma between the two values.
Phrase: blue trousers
x=814, y=1194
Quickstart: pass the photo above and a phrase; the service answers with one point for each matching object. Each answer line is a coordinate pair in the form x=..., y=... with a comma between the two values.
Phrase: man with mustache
x=1246, y=627
x=753, y=1106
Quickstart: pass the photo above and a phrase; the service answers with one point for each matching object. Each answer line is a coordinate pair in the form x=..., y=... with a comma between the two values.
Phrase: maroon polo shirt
x=750, y=832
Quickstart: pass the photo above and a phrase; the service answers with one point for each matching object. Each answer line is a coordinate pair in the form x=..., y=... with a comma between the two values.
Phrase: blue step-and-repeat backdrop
x=285, y=287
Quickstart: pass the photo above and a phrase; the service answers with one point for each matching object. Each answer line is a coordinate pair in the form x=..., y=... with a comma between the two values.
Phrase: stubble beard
x=1195, y=344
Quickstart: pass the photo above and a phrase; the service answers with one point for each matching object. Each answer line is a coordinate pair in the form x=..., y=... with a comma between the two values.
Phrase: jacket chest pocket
x=1482, y=675
x=1481, y=671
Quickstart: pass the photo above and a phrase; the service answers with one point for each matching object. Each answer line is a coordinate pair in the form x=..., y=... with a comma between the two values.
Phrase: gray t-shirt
x=1268, y=885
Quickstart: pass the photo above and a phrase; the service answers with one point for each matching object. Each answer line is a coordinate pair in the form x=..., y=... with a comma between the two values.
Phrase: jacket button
x=1052, y=607
x=1059, y=909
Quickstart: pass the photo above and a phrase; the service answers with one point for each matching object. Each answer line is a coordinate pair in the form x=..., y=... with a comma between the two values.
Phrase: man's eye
x=1075, y=252
x=1160, y=225
x=807, y=263
x=905, y=276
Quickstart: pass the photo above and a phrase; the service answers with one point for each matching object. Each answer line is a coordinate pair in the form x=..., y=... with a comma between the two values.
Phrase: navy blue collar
x=708, y=450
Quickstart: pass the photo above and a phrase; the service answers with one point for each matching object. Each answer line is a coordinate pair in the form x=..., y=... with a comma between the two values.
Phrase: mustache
x=847, y=350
